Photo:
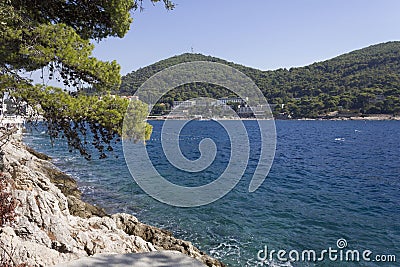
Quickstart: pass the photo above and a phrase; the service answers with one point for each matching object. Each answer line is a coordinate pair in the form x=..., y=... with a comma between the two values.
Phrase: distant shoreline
x=380, y=117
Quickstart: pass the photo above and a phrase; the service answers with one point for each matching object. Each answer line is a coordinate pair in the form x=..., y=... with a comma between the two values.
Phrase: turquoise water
x=329, y=180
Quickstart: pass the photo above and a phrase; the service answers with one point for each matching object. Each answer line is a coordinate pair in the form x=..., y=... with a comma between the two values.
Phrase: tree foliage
x=366, y=81
x=55, y=37
x=74, y=116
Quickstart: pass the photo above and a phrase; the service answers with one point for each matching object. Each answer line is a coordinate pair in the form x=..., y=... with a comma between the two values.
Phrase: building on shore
x=12, y=115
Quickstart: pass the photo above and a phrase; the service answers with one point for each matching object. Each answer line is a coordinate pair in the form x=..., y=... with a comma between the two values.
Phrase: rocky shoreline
x=54, y=226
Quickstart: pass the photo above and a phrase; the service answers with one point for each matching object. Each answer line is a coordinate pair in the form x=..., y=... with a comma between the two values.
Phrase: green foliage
x=72, y=116
x=135, y=128
x=366, y=80
x=29, y=43
x=54, y=36
x=62, y=49
x=160, y=109
x=90, y=19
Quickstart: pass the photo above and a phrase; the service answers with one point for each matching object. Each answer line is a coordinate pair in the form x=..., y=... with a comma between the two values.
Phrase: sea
x=333, y=189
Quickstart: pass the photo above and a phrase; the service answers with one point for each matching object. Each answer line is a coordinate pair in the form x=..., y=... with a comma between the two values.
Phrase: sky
x=264, y=34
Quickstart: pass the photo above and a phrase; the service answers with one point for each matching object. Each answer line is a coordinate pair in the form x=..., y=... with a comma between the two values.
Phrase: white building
x=12, y=116
x=184, y=104
x=247, y=111
x=226, y=100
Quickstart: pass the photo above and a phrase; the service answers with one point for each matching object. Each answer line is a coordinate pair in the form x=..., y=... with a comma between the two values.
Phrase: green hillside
x=363, y=81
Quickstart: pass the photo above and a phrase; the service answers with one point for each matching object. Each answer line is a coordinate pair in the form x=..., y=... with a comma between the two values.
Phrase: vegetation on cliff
x=362, y=81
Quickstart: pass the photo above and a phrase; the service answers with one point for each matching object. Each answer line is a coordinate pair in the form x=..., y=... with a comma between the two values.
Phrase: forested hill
x=365, y=81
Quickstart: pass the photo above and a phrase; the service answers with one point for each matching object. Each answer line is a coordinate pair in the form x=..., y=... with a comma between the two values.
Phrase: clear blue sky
x=264, y=34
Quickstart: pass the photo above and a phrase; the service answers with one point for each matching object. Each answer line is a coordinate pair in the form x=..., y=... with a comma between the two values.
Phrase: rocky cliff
x=53, y=225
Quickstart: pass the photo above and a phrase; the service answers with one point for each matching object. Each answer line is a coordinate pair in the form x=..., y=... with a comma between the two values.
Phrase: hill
x=363, y=81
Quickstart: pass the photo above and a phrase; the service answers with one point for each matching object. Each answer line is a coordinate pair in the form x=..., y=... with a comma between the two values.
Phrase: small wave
x=230, y=249
x=30, y=138
x=273, y=263
x=339, y=139
x=87, y=189
x=70, y=158
x=278, y=264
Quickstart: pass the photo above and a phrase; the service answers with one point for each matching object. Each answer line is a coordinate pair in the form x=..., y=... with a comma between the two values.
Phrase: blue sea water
x=329, y=180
